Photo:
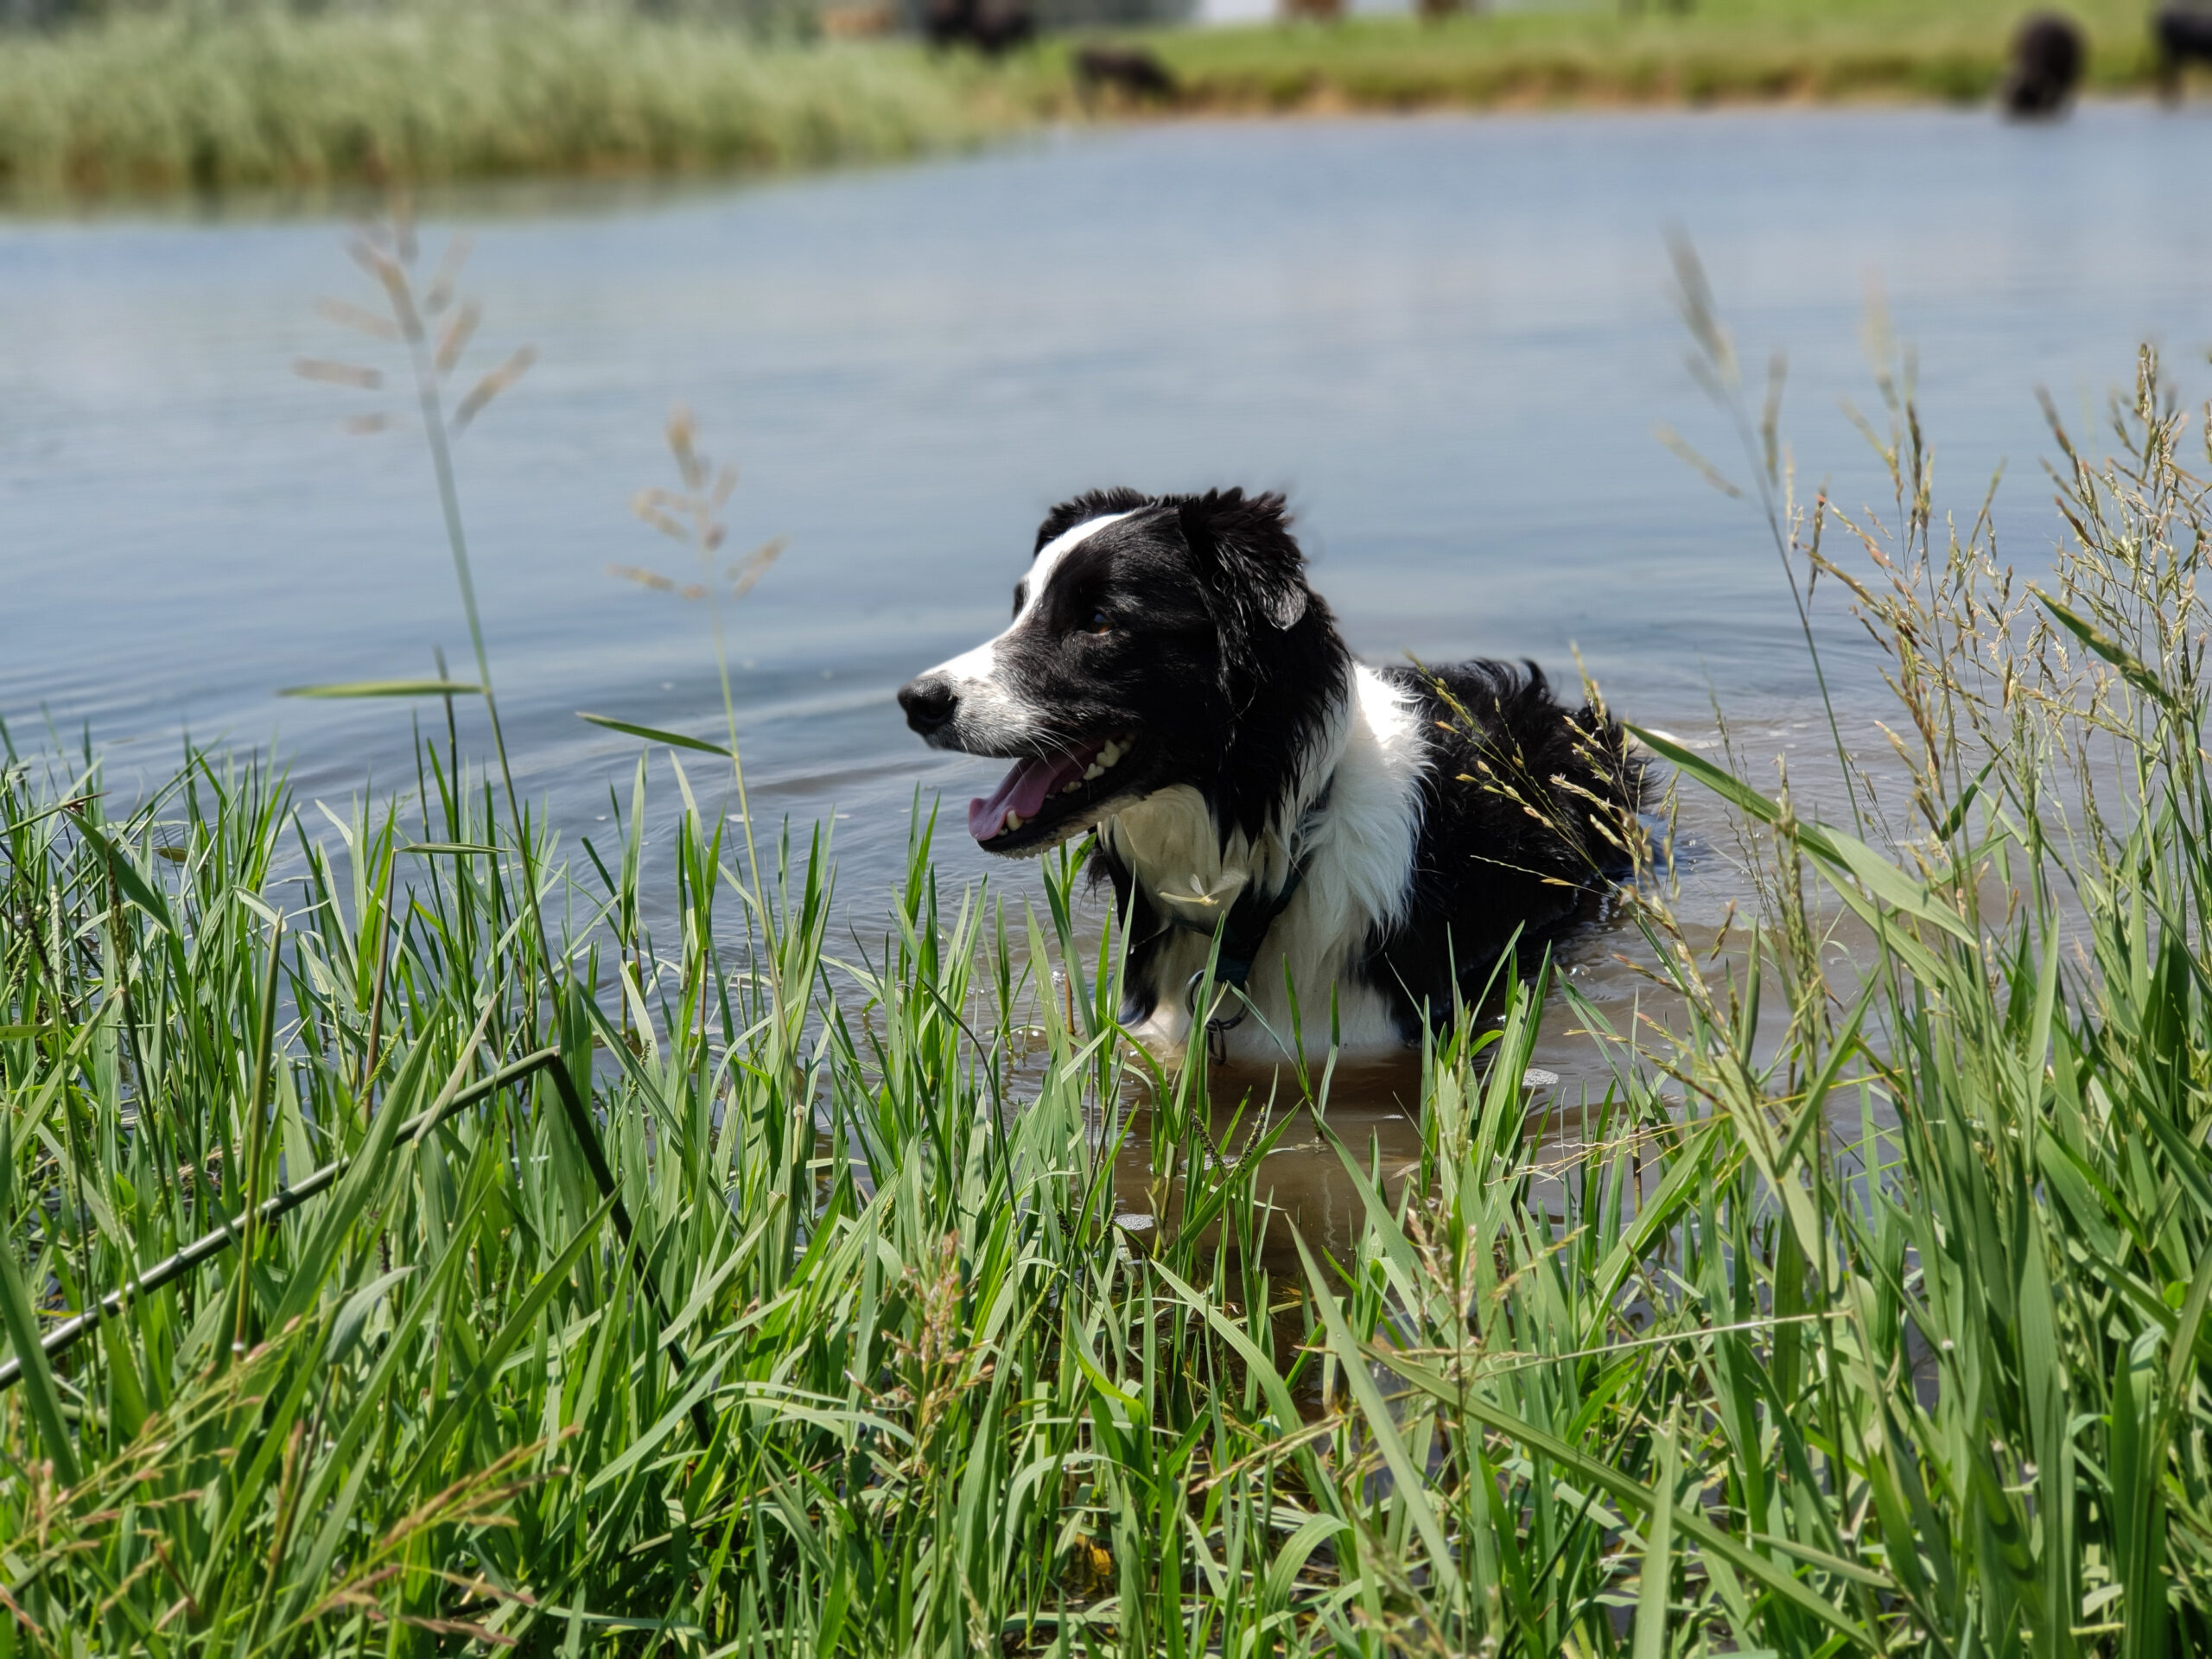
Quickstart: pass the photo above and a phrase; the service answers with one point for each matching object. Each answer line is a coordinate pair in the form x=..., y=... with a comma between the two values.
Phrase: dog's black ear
x=1091, y=504
x=1252, y=568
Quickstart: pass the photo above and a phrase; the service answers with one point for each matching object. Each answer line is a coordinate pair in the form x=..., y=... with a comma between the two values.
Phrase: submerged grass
x=1888, y=1336
x=267, y=99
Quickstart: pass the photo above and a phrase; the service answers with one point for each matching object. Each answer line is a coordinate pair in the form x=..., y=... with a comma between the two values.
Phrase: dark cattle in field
x=1130, y=69
x=2184, y=34
x=2048, y=54
x=991, y=27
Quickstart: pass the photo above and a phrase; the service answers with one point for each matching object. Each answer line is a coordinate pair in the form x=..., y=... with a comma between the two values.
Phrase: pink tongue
x=1025, y=789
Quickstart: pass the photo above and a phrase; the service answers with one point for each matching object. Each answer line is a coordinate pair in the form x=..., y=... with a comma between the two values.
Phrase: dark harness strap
x=1244, y=933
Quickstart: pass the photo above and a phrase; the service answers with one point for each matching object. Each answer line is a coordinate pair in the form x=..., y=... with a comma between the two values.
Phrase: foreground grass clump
x=408, y=1244
x=1717, y=51
x=145, y=102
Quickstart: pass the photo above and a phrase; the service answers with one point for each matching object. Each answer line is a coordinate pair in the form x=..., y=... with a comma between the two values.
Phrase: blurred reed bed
x=266, y=98
x=753, y=1285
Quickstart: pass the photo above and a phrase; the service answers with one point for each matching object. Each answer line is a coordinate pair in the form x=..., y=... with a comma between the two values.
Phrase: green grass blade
x=1656, y=1569
x=418, y=687
x=1412, y=1488
x=655, y=735
x=16, y=1309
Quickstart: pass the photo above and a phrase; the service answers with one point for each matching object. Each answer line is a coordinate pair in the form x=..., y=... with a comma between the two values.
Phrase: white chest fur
x=1358, y=853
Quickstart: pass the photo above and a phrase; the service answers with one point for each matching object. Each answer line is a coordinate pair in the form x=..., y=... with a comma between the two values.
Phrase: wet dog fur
x=1171, y=681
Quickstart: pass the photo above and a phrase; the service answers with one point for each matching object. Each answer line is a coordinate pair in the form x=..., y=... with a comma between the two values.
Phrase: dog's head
x=1156, y=640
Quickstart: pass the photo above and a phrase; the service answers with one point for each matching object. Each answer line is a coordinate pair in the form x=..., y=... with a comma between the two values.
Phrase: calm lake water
x=1449, y=339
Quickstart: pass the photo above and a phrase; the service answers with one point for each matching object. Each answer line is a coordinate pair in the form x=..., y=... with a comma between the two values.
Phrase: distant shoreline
x=1326, y=103
x=152, y=106
x=1810, y=52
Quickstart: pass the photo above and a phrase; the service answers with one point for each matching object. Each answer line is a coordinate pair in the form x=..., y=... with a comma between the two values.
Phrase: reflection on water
x=1367, y=1114
x=1372, y=1107
x=1448, y=338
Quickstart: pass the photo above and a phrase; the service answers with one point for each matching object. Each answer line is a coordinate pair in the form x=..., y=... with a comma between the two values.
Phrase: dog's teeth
x=1097, y=770
x=1014, y=820
x=1111, y=754
x=1071, y=786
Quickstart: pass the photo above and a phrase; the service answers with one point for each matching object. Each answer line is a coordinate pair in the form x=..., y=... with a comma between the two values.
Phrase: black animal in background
x=2184, y=34
x=1131, y=69
x=992, y=27
x=2048, y=54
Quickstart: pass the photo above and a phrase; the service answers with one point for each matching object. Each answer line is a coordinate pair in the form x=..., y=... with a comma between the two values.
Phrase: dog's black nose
x=929, y=702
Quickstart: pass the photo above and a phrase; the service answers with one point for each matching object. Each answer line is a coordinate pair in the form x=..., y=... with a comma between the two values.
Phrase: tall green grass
x=266, y=98
x=1883, y=1335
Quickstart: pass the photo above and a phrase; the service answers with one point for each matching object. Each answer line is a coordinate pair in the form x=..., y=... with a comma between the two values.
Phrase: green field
x=1720, y=50
x=410, y=1250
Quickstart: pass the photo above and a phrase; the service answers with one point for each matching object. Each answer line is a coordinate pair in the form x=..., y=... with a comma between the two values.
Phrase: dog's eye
x=1098, y=624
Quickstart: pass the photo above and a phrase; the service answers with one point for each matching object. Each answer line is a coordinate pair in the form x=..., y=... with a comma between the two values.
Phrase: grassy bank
x=1718, y=51
x=747, y=1286
x=162, y=101
x=165, y=102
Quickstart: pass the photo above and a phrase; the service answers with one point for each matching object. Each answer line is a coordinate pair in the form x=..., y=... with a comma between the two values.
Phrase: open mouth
x=1046, y=794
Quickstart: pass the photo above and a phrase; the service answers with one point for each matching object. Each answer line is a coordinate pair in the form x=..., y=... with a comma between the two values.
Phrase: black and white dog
x=1383, y=834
